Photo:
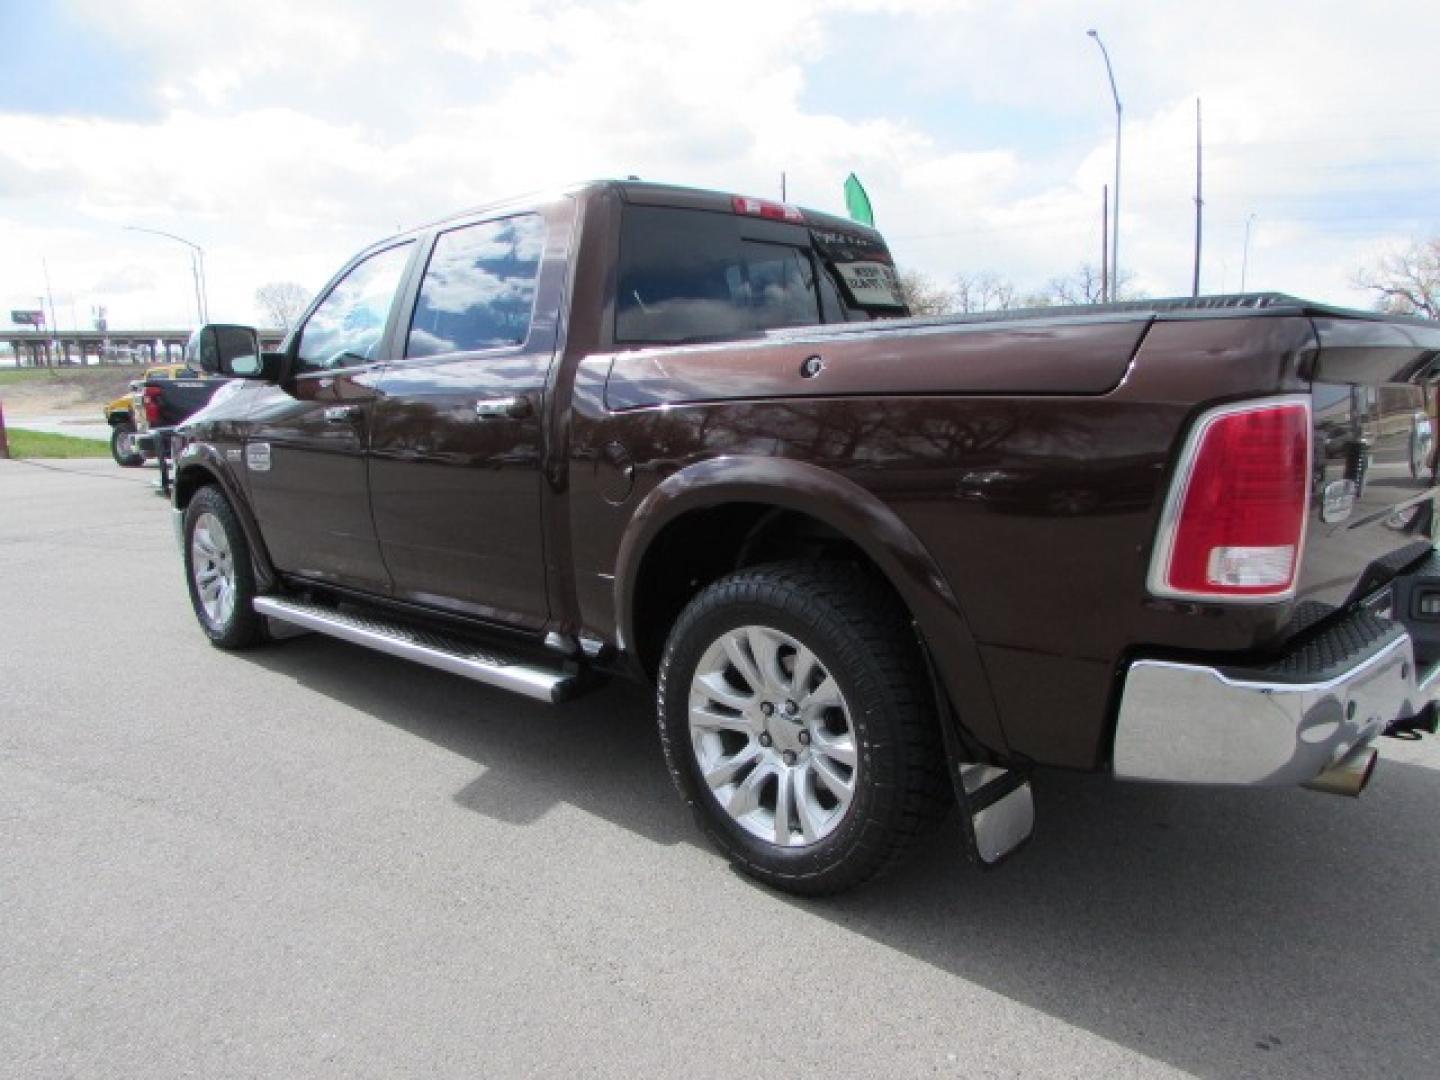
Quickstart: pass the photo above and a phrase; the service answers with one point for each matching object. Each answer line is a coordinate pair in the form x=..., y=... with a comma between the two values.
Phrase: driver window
x=346, y=328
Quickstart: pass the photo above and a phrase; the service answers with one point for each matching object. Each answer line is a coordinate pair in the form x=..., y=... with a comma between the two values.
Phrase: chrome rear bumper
x=1198, y=724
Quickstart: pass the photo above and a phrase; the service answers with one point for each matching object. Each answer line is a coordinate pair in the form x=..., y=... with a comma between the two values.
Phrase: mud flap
x=997, y=812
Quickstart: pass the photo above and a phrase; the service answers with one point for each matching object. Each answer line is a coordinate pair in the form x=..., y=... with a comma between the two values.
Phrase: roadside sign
x=33, y=318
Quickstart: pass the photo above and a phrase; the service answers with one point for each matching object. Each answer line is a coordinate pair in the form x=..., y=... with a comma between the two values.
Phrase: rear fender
x=854, y=513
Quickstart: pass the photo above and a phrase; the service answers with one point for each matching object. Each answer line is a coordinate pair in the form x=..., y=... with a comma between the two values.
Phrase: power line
x=1036, y=224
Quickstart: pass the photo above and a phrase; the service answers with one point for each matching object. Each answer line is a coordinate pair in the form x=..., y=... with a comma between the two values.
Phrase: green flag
x=857, y=202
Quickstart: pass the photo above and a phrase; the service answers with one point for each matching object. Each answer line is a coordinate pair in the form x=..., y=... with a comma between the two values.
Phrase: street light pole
x=47, y=320
x=1245, y=255
x=1115, y=225
x=197, y=269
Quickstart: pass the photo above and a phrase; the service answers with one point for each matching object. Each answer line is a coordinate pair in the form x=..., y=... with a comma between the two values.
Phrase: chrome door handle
x=338, y=414
x=502, y=407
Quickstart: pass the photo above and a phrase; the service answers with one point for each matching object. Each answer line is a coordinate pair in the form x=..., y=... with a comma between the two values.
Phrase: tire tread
x=866, y=624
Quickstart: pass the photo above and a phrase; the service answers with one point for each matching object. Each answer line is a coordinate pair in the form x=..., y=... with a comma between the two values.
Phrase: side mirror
x=221, y=349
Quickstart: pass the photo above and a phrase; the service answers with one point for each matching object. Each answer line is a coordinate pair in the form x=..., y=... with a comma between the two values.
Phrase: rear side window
x=687, y=275
x=479, y=289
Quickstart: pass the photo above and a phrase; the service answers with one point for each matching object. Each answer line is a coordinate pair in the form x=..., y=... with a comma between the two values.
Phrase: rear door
x=305, y=455
x=457, y=437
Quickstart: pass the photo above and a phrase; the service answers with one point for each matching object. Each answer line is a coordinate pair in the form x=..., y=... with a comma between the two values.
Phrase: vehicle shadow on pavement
x=599, y=753
x=1224, y=932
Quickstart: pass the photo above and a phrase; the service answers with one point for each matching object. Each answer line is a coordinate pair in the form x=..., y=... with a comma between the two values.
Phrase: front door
x=457, y=439
x=306, y=446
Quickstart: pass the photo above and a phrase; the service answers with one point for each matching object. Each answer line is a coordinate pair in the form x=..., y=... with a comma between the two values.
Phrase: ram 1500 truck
x=874, y=565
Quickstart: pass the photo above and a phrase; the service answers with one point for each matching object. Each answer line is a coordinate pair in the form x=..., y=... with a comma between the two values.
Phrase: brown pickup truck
x=874, y=565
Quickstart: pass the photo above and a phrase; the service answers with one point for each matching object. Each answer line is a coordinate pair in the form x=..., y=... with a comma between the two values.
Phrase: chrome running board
x=434, y=650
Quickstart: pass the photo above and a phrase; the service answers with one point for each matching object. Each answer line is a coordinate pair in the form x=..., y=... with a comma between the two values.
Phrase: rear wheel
x=219, y=572
x=799, y=725
x=122, y=446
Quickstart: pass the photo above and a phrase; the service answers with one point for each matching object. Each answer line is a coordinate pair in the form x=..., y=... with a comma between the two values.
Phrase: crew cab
x=873, y=565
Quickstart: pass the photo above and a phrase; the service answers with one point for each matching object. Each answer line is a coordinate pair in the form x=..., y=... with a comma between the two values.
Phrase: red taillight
x=766, y=209
x=1235, y=520
x=152, y=405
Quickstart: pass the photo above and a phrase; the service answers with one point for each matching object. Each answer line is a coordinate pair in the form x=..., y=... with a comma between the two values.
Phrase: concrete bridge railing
x=81, y=347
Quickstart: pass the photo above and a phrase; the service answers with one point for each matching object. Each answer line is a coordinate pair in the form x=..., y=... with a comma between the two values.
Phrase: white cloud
x=287, y=136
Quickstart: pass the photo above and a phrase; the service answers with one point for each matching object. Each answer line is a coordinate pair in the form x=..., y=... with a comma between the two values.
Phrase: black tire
x=228, y=626
x=122, y=446
x=861, y=636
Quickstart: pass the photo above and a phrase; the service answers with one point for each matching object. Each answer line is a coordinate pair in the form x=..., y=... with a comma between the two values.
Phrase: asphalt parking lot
x=310, y=860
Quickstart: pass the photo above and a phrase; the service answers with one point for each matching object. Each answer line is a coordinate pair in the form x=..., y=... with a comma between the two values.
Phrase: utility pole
x=1245, y=255
x=204, y=289
x=1199, y=201
x=783, y=197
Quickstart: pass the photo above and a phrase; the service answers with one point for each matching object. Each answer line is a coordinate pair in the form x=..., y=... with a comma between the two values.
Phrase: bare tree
x=985, y=291
x=923, y=296
x=282, y=302
x=1406, y=282
x=1086, y=286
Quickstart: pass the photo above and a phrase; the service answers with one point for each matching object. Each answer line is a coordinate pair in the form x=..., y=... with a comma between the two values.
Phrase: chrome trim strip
x=532, y=682
x=1191, y=724
x=1180, y=484
x=1265, y=686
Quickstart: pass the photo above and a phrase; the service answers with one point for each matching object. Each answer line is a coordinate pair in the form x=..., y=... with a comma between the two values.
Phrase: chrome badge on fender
x=257, y=457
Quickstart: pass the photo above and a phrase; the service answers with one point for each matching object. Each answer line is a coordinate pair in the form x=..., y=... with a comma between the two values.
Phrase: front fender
x=857, y=515
x=200, y=463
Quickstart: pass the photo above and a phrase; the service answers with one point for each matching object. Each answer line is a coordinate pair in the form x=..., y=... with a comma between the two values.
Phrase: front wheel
x=122, y=446
x=219, y=572
x=799, y=725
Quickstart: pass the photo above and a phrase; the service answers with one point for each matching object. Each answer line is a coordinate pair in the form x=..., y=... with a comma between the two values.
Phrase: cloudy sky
x=283, y=136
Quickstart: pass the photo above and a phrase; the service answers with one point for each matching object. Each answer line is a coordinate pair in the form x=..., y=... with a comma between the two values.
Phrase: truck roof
x=646, y=193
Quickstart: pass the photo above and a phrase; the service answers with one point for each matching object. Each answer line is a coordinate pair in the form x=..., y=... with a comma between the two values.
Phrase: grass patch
x=69, y=373
x=15, y=376
x=40, y=444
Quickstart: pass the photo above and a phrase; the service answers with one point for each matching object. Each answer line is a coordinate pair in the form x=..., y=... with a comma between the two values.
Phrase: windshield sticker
x=872, y=284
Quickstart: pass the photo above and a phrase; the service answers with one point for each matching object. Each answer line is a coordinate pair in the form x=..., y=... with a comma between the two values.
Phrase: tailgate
x=182, y=398
x=1374, y=402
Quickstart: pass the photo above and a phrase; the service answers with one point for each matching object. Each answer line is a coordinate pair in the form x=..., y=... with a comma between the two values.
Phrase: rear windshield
x=696, y=275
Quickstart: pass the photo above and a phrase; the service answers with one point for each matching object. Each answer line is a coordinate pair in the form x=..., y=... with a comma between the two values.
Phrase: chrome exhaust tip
x=1348, y=776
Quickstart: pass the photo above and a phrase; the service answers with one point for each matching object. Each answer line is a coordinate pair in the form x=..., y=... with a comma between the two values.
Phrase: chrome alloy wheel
x=772, y=736
x=125, y=443
x=213, y=568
